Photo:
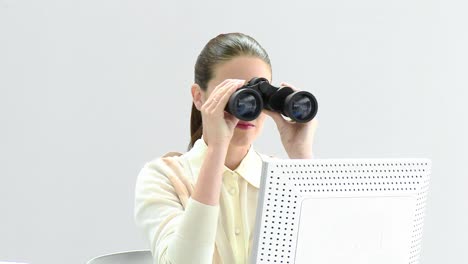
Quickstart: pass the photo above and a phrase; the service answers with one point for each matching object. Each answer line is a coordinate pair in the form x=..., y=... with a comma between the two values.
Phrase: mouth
x=245, y=125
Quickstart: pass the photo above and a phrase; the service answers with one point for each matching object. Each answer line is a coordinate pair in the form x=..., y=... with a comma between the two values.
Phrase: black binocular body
x=248, y=101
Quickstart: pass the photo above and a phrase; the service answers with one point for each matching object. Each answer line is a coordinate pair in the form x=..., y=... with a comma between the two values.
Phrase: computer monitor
x=353, y=211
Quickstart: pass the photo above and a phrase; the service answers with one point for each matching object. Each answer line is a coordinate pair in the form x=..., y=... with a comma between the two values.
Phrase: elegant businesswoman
x=199, y=207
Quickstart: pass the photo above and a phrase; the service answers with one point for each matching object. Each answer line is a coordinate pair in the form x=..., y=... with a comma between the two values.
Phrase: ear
x=197, y=96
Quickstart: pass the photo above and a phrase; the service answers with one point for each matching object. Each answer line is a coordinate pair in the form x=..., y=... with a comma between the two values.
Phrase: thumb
x=279, y=120
x=231, y=119
x=289, y=85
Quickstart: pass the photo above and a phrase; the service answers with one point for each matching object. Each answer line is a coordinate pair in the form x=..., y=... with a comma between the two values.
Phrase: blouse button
x=237, y=231
x=232, y=191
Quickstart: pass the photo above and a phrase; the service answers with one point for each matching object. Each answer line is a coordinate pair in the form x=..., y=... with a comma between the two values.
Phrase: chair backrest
x=129, y=257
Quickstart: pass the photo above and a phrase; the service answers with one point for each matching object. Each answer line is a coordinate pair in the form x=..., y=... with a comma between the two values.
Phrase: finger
x=217, y=93
x=314, y=124
x=279, y=120
x=215, y=99
x=227, y=94
x=289, y=85
x=219, y=99
x=231, y=119
x=221, y=84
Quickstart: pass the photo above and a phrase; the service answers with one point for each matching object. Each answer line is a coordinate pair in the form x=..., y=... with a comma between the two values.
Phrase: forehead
x=242, y=67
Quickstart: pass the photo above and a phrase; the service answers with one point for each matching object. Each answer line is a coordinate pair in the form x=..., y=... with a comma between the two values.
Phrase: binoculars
x=248, y=101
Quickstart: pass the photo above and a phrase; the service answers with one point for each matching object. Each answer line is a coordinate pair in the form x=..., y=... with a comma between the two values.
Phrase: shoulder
x=166, y=176
x=160, y=174
x=164, y=164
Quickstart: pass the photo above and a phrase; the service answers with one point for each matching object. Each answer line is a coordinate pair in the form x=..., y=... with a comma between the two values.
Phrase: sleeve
x=176, y=236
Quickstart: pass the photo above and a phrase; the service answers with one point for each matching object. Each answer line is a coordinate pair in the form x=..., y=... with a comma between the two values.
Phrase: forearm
x=208, y=187
x=300, y=156
x=195, y=235
x=194, y=238
x=178, y=234
x=300, y=152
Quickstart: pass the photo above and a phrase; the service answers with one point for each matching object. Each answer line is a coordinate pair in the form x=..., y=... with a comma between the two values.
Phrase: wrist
x=216, y=144
x=300, y=156
x=218, y=149
x=300, y=153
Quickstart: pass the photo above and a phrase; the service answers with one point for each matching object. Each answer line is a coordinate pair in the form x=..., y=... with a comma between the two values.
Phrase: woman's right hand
x=218, y=125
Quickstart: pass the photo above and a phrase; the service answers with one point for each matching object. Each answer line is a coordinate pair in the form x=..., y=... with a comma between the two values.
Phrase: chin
x=242, y=139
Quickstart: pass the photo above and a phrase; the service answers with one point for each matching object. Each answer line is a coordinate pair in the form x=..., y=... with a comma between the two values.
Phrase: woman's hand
x=297, y=138
x=218, y=125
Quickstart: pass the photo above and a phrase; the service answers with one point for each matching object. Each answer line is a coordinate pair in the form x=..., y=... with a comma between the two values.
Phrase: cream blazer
x=181, y=230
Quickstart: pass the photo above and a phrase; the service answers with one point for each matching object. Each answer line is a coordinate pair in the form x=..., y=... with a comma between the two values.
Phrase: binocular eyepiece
x=248, y=101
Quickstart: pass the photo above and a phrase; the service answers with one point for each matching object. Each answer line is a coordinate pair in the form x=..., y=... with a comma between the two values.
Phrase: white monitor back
x=341, y=211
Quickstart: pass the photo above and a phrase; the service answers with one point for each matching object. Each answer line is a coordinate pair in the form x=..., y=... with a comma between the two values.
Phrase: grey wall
x=91, y=90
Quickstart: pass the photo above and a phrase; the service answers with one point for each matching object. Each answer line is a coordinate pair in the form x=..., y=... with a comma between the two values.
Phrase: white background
x=90, y=90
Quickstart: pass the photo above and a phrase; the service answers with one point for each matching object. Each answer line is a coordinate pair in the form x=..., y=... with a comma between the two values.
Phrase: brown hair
x=220, y=49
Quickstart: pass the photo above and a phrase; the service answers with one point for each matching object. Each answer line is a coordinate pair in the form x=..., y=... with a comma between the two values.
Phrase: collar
x=250, y=167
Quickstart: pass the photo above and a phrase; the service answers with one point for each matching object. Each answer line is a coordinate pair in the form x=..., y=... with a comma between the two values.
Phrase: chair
x=128, y=257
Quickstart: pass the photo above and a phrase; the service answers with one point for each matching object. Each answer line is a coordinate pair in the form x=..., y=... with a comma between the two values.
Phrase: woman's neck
x=235, y=155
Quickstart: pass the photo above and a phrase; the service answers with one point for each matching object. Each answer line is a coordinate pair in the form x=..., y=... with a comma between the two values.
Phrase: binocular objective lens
x=301, y=107
x=246, y=106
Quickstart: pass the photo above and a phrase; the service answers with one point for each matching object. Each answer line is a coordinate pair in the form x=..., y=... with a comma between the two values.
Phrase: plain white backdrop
x=91, y=90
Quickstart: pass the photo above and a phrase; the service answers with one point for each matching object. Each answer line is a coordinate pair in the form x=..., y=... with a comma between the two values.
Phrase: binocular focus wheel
x=256, y=80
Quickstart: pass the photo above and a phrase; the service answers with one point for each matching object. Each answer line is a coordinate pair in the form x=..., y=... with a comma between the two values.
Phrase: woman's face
x=243, y=68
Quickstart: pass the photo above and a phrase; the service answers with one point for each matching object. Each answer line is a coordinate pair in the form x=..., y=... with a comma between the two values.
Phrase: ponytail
x=196, y=126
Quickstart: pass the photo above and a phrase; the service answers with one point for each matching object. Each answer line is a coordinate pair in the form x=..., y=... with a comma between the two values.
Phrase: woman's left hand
x=297, y=138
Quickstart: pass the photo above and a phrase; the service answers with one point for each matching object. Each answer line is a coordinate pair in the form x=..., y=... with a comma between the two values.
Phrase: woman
x=199, y=207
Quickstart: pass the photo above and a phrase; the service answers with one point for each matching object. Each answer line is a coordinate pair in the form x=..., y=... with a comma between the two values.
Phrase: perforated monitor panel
x=341, y=211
